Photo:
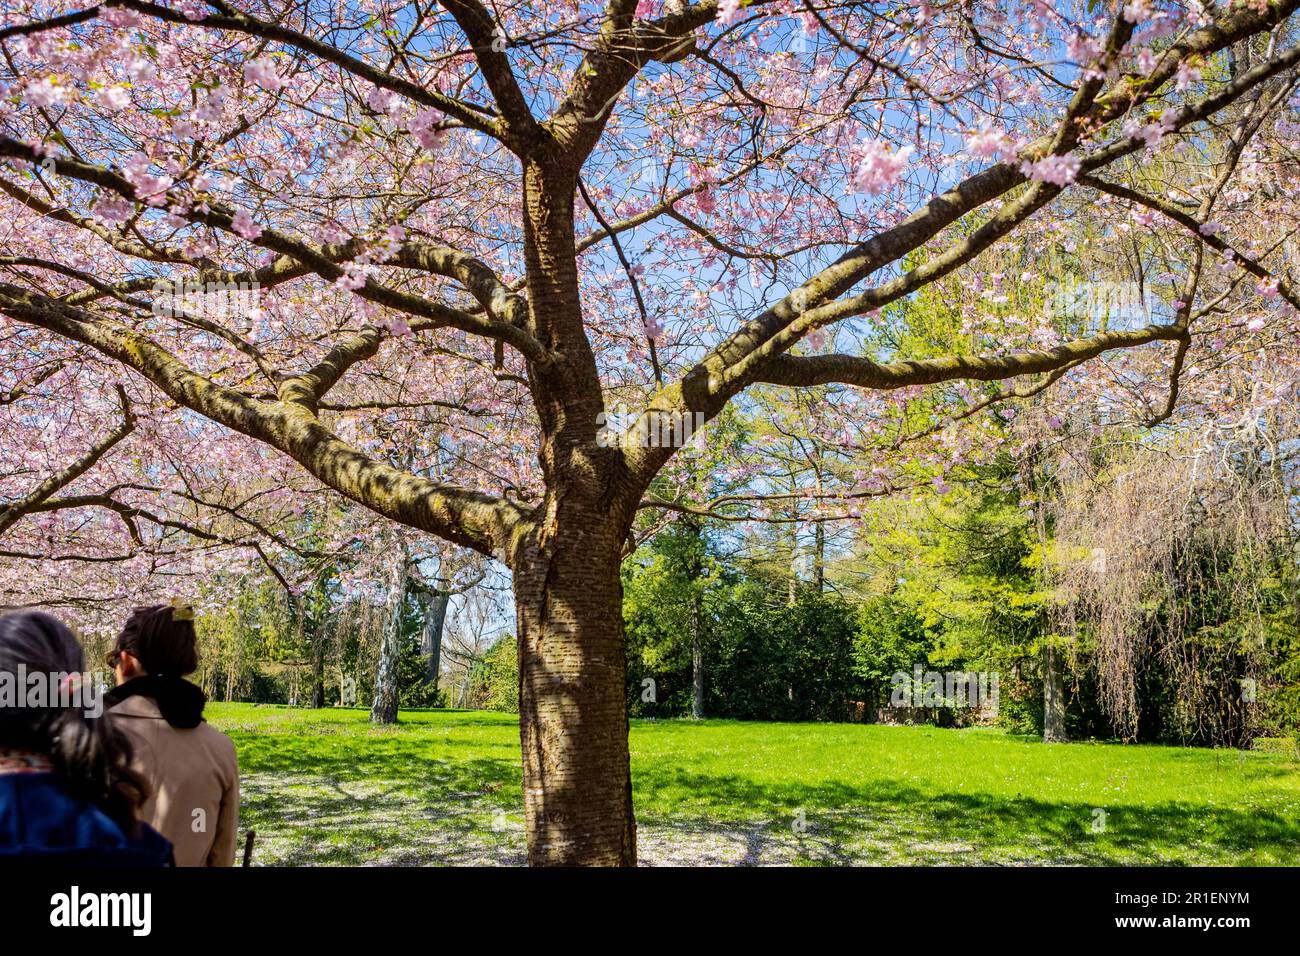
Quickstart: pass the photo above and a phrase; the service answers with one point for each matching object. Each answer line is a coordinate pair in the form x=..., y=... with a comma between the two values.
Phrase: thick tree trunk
x=383, y=710
x=435, y=617
x=1053, y=699
x=568, y=596
x=572, y=702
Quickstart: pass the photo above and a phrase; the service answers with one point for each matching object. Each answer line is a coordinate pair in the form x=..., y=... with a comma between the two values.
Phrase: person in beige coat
x=190, y=768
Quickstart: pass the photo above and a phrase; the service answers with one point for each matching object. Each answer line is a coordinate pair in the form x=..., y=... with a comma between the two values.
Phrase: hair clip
x=182, y=610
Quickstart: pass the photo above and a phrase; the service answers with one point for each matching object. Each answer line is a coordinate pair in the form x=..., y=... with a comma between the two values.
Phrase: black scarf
x=180, y=702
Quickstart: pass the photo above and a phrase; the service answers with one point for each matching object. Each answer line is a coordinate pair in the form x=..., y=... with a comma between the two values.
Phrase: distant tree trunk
x=435, y=617
x=318, y=668
x=819, y=557
x=819, y=537
x=696, y=570
x=697, y=664
x=1053, y=699
x=384, y=708
x=462, y=700
x=1030, y=474
x=793, y=587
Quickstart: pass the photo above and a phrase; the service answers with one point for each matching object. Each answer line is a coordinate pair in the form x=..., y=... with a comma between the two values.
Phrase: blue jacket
x=41, y=822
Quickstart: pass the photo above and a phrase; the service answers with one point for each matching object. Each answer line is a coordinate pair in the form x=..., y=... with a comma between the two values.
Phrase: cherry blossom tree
x=473, y=231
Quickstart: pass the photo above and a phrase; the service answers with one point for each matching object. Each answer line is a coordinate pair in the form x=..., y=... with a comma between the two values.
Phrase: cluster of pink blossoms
x=729, y=12
x=262, y=72
x=991, y=143
x=1150, y=133
x=1057, y=170
x=877, y=166
x=424, y=127
x=243, y=224
x=149, y=188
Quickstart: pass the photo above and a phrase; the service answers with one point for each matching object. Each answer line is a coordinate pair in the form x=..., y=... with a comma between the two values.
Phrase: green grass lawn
x=444, y=787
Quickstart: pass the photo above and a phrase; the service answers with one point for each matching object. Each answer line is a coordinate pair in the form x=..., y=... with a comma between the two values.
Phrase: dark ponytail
x=89, y=753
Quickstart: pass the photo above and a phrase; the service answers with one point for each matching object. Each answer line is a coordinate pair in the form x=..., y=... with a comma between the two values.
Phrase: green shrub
x=494, y=680
x=776, y=661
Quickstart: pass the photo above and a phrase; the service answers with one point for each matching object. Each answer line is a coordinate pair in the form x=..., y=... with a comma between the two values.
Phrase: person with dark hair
x=67, y=790
x=190, y=767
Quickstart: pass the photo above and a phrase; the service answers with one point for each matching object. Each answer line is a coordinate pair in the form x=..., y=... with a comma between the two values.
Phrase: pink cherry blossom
x=353, y=277
x=1137, y=11
x=113, y=210
x=332, y=232
x=263, y=72
x=729, y=12
x=47, y=91
x=140, y=69
x=113, y=98
x=242, y=222
x=120, y=17
x=1150, y=133
x=381, y=100
x=1058, y=170
x=1083, y=49
x=878, y=166
x=991, y=143
x=212, y=106
x=424, y=127
x=149, y=188
x=1188, y=76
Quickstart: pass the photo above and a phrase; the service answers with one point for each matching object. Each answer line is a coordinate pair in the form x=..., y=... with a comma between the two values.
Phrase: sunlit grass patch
x=326, y=786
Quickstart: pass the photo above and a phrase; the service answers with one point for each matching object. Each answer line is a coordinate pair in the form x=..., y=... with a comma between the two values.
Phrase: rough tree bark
x=383, y=710
x=568, y=594
x=434, y=604
x=572, y=706
x=1053, y=698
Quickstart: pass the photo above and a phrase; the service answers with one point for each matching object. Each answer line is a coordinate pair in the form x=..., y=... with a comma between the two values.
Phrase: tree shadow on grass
x=414, y=796
x=450, y=813
x=380, y=799
x=887, y=822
